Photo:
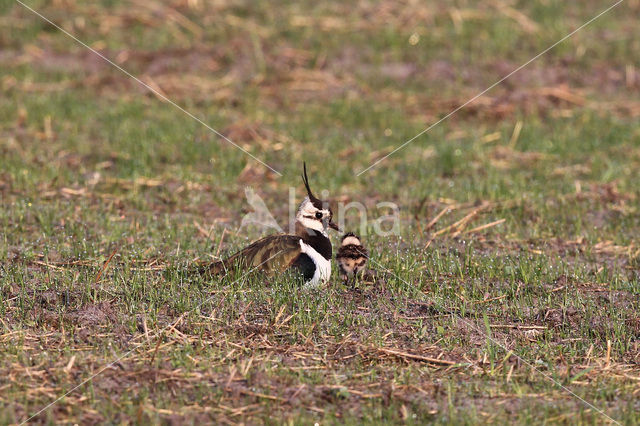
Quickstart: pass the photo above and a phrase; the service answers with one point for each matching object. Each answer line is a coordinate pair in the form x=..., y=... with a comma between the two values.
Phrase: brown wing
x=271, y=254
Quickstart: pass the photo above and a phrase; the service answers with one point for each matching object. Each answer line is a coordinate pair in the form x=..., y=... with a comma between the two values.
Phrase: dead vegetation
x=518, y=259
x=257, y=363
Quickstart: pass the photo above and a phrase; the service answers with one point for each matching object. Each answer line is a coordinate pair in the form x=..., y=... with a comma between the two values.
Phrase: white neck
x=316, y=225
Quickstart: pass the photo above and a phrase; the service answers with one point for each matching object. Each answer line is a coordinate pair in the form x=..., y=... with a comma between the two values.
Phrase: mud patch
x=93, y=315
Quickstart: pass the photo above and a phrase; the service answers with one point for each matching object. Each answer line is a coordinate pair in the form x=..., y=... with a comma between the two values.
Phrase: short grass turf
x=518, y=304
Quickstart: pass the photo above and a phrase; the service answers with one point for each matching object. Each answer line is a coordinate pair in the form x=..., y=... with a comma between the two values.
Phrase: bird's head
x=314, y=213
x=350, y=239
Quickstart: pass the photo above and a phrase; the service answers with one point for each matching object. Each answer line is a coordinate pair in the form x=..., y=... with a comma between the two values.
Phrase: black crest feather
x=316, y=202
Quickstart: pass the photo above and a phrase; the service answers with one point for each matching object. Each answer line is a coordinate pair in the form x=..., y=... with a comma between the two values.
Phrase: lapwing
x=306, y=253
x=351, y=257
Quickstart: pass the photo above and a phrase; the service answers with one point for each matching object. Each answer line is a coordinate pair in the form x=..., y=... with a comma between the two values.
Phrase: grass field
x=109, y=192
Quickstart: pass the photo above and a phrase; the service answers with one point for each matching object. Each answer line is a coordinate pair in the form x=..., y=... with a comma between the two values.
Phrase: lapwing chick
x=351, y=257
x=306, y=253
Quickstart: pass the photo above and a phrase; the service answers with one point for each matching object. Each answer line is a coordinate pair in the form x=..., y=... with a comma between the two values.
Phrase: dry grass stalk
x=485, y=226
x=104, y=267
x=438, y=216
x=407, y=355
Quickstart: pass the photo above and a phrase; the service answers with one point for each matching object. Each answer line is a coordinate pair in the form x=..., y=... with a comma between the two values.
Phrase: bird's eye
x=318, y=215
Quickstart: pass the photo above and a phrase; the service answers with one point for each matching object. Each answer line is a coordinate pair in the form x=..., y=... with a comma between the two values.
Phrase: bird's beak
x=332, y=225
